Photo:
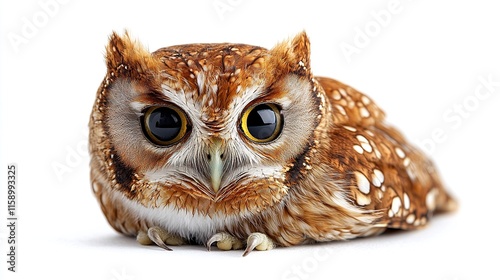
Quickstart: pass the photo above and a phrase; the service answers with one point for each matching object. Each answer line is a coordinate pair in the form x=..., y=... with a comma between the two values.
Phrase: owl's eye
x=164, y=125
x=262, y=123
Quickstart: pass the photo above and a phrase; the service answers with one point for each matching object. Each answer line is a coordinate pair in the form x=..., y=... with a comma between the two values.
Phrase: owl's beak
x=216, y=163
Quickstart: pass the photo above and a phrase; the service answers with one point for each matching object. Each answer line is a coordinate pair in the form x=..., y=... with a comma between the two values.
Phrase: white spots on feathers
x=406, y=201
x=341, y=109
x=364, y=112
x=396, y=205
x=400, y=153
x=365, y=100
x=410, y=219
x=362, y=182
x=430, y=199
x=358, y=149
x=377, y=178
x=362, y=199
x=364, y=143
x=350, y=128
x=343, y=92
x=336, y=95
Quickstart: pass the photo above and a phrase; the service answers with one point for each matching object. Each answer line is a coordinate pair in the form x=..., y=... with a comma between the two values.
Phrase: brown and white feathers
x=207, y=143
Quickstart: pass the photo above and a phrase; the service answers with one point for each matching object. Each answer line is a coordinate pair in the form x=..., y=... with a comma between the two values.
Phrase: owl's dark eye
x=164, y=125
x=262, y=123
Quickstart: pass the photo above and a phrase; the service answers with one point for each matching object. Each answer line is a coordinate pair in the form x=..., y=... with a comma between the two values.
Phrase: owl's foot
x=256, y=240
x=160, y=237
x=225, y=242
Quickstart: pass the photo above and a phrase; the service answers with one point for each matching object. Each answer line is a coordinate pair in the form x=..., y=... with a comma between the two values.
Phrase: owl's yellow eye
x=164, y=126
x=262, y=123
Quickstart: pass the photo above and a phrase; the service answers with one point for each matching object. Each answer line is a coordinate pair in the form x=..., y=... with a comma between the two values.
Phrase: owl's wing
x=381, y=170
x=349, y=105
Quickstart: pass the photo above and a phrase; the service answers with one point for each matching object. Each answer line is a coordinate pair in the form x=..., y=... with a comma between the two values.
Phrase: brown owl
x=242, y=147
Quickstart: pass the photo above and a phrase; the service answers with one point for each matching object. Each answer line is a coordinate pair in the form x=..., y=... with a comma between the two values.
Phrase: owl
x=242, y=147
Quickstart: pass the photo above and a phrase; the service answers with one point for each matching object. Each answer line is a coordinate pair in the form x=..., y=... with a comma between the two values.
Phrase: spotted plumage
x=242, y=146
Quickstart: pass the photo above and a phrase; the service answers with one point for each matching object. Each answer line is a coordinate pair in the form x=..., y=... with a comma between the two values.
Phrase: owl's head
x=207, y=121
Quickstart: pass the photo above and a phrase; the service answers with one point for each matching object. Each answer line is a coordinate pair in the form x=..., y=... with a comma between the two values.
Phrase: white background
x=421, y=66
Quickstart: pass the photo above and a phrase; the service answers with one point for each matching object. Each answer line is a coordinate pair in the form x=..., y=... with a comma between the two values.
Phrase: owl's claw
x=224, y=241
x=258, y=241
x=155, y=234
x=159, y=237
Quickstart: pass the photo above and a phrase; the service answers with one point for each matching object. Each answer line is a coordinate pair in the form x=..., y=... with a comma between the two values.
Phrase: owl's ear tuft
x=124, y=54
x=293, y=55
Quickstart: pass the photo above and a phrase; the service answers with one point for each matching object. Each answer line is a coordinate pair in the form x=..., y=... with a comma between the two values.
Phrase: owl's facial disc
x=219, y=120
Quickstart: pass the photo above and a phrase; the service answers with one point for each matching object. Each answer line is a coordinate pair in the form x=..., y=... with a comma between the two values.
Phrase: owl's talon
x=160, y=237
x=224, y=241
x=215, y=238
x=258, y=241
x=156, y=234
